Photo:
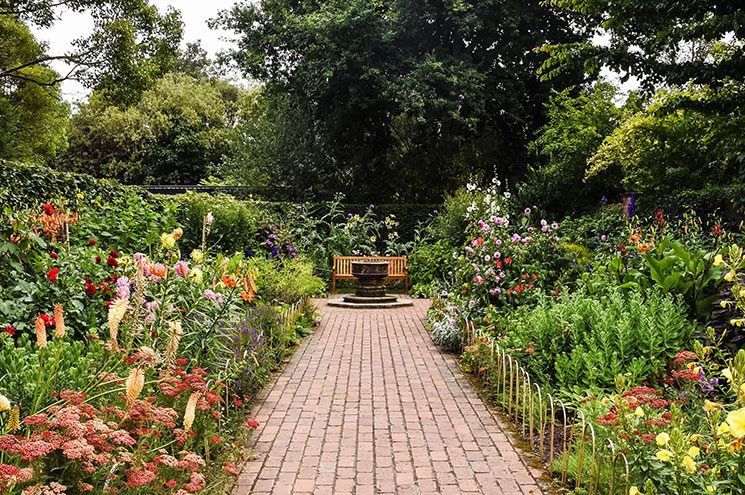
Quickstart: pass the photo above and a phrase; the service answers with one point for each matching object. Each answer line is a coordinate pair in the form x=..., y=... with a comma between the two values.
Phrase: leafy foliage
x=396, y=89
x=582, y=343
x=661, y=41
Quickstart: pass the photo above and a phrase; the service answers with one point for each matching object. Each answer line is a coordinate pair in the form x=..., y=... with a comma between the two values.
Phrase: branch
x=38, y=61
x=31, y=10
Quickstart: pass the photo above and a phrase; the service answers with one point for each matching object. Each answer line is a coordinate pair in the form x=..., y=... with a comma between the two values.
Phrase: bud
x=740, y=362
x=191, y=410
x=134, y=385
x=41, y=333
x=59, y=321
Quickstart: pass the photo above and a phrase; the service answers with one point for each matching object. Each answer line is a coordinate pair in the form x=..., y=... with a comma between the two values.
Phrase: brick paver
x=368, y=405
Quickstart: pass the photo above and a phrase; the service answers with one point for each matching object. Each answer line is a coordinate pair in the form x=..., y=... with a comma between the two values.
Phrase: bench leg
x=333, y=283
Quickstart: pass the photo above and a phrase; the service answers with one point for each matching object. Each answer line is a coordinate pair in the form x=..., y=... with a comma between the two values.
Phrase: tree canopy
x=400, y=99
x=664, y=41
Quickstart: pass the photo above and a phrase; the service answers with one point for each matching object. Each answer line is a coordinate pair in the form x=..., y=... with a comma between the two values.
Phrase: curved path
x=368, y=405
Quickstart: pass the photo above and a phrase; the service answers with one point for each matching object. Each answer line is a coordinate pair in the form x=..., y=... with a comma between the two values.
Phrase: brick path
x=368, y=405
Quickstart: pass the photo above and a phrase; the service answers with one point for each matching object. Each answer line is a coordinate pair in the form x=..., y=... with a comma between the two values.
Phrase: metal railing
x=554, y=430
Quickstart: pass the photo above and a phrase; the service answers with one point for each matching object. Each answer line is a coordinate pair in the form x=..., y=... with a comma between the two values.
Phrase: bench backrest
x=396, y=264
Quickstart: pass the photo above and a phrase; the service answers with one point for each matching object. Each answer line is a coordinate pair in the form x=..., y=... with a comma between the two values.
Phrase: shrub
x=579, y=343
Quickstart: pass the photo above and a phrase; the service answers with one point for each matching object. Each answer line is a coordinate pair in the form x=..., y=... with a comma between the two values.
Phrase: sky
x=195, y=14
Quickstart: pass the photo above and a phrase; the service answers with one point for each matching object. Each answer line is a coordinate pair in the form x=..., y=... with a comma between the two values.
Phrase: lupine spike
x=14, y=420
x=134, y=385
x=191, y=410
x=59, y=321
x=41, y=333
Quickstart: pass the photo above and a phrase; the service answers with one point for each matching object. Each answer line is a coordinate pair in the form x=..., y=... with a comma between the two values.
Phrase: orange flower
x=59, y=321
x=229, y=280
x=159, y=270
x=249, y=285
x=644, y=248
x=247, y=296
x=41, y=333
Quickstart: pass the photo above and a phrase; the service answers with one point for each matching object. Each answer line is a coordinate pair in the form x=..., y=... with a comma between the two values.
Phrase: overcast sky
x=195, y=14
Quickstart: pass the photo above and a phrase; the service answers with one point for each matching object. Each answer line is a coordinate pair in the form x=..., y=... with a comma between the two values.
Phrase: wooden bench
x=397, y=267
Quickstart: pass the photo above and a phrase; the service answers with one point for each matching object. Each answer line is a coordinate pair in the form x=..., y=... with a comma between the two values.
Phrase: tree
x=577, y=125
x=131, y=45
x=33, y=118
x=402, y=99
x=683, y=139
x=664, y=41
x=176, y=133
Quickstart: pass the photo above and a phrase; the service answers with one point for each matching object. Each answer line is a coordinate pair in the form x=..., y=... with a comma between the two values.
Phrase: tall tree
x=661, y=41
x=33, y=118
x=407, y=97
x=132, y=44
x=177, y=133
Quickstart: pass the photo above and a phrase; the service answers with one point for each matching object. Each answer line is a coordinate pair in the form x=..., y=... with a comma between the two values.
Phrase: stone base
x=370, y=300
x=370, y=303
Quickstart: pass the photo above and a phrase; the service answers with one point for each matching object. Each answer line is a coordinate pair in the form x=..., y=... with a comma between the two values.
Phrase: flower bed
x=131, y=371
x=614, y=362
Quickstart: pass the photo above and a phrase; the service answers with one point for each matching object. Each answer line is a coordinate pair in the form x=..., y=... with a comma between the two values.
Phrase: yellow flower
x=711, y=488
x=662, y=439
x=196, y=275
x=695, y=437
x=197, y=256
x=639, y=412
x=4, y=403
x=14, y=420
x=736, y=422
x=730, y=276
x=167, y=241
x=711, y=406
x=742, y=292
x=722, y=429
x=718, y=260
x=605, y=401
x=727, y=373
x=634, y=490
x=689, y=464
x=694, y=452
x=664, y=455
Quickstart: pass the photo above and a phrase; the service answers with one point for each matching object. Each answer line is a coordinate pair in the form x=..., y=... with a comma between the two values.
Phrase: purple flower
x=530, y=230
x=122, y=288
x=516, y=238
x=527, y=211
x=544, y=228
x=555, y=226
x=497, y=255
x=603, y=238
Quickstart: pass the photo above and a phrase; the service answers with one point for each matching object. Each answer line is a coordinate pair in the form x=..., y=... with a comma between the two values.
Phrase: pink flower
x=196, y=483
x=139, y=477
x=181, y=268
x=231, y=468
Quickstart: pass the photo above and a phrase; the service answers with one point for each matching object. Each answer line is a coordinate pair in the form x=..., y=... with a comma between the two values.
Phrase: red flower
x=98, y=260
x=53, y=255
x=252, y=423
x=111, y=261
x=91, y=242
x=508, y=260
x=114, y=253
x=215, y=439
x=90, y=289
x=171, y=483
x=52, y=275
x=10, y=330
x=48, y=209
x=48, y=320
